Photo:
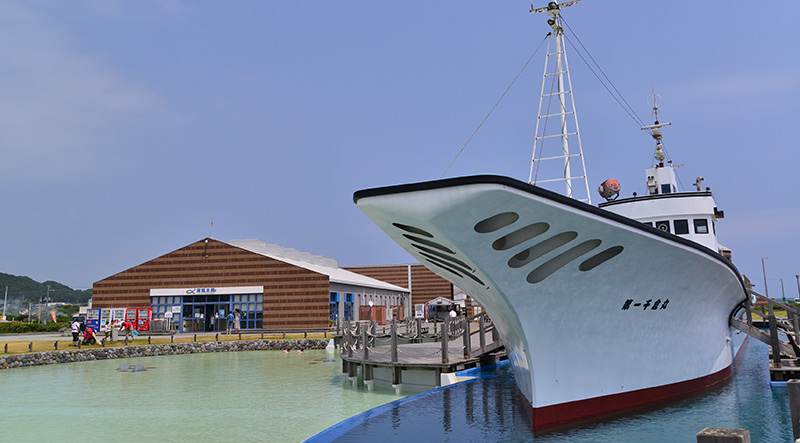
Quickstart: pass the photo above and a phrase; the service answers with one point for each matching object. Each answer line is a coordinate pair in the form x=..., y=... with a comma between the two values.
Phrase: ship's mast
x=655, y=130
x=660, y=180
x=561, y=88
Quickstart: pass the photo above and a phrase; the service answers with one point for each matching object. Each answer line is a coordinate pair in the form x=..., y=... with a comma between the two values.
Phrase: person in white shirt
x=76, y=329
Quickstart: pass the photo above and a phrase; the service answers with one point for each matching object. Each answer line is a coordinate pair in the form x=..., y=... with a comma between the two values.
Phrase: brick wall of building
x=294, y=297
x=425, y=285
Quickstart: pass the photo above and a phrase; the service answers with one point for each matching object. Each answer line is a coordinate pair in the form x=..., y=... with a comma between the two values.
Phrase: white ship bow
x=598, y=312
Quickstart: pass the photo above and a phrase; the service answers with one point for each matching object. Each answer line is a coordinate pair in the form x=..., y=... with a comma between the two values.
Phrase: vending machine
x=93, y=319
x=130, y=316
x=105, y=315
x=143, y=318
x=117, y=315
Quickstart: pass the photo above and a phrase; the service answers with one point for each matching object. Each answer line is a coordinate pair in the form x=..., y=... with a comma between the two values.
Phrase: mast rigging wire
x=618, y=97
x=493, y=107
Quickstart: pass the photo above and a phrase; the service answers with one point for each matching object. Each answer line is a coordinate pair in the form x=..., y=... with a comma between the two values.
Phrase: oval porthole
x=523, y=258
x=600, y=258
x=442, y=256
x=413, y=229
x=559, y=261
x=519, y=236
x=496, y=222
x=430, y=243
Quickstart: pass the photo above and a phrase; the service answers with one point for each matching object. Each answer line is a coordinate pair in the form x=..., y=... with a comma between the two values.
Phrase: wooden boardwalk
x=459, y=345
x=426, y=354
x=783, y=353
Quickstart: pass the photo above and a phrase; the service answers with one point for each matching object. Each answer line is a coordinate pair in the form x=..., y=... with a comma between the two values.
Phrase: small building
x=439, y=309
x=423, y=283
x=274, y=287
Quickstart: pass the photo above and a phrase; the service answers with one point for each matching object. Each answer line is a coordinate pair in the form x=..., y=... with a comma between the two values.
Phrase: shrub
x=23, y=328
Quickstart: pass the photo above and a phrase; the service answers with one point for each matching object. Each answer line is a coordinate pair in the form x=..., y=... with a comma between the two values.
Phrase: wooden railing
x=359, y=337
x=790, y=326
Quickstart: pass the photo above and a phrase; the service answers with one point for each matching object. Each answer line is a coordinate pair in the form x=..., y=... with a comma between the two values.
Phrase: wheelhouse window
x=681, y=226
x=700, y=226
x=663, y=225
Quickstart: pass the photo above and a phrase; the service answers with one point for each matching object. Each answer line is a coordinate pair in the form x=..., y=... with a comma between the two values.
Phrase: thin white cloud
x=60, y=109
x=759, y=86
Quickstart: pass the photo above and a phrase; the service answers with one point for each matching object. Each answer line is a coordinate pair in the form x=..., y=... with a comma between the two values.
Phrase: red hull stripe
x=560, y=414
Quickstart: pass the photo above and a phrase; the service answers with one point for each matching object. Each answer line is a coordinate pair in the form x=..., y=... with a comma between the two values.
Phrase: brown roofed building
x=272, y=287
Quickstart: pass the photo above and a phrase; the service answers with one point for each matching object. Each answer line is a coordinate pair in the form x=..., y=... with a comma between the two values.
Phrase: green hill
x=22, y=289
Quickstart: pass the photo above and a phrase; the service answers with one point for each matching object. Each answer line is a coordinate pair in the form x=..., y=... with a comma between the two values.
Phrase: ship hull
x=598, y=313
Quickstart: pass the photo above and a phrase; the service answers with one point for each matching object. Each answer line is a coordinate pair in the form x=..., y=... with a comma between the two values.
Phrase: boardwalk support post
x=793, y=386
x=369, y=381
x=349, y=334
x=481, y=327
x=465, y=335
x=394, y=341
x=364, y=340
x=722, y=435
x=445, y=356
x=397, y=379
x=352, y=373
x=775, y=344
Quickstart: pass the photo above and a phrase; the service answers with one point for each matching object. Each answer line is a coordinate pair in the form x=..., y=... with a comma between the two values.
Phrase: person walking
x=76, y=329
x=106, y=330
x=229, y=323
x=237, y=324
x=126, y=329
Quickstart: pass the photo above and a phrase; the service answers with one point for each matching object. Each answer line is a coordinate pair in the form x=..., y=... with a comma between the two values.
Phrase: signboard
x=168, y=314
x=176, y=309
x=206, y=291
x=419, y=311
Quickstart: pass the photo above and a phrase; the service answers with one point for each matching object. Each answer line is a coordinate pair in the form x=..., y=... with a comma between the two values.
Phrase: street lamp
x=797, y=276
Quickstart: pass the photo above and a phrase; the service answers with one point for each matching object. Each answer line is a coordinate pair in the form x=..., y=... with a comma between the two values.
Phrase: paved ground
x=35, y=337
x=47, y=336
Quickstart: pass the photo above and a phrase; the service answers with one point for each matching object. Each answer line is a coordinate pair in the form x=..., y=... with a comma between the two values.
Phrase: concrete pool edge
x=136, y=351
x=466, y=376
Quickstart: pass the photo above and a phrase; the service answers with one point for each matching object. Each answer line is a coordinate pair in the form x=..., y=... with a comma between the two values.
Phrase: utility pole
x=46, y=304
x=764, y=270
x=782, y=291
x=5, y=302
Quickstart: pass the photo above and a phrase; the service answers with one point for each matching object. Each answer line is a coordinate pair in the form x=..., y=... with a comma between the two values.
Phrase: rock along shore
x=136, y=351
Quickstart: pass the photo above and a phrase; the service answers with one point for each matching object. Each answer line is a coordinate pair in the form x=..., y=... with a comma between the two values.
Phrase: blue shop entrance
x=205, y=313
x=205, y=309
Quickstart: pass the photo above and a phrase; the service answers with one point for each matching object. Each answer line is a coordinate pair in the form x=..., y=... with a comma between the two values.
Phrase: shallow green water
x=231, y=396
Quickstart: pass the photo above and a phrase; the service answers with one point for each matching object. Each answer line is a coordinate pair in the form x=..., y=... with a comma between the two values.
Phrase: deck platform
x=429, y=362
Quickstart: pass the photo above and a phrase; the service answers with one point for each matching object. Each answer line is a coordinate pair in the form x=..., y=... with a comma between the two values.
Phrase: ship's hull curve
x=597, y=312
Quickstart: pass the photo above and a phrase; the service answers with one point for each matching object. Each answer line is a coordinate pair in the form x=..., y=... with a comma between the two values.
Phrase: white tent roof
x=315, y=263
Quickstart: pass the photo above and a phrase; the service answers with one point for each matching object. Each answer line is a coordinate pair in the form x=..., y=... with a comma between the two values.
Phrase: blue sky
x=126, y=126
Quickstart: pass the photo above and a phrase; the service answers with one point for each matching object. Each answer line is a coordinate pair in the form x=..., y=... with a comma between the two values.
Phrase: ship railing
x=360, y=337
